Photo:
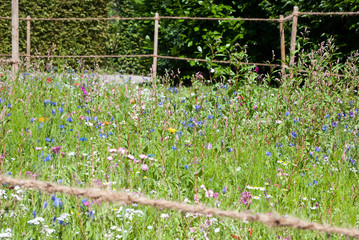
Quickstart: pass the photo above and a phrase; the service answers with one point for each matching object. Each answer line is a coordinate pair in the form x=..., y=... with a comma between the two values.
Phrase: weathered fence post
x=15, y=36
x=293, y=37
x=155, y=46
x=28, y=42
x=282, y=42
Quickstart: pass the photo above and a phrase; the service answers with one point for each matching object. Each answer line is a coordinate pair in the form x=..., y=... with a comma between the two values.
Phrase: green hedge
x=61, y=37
x=126, y=38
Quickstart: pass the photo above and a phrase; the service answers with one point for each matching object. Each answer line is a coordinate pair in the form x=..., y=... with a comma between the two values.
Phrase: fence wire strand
x=127, y=198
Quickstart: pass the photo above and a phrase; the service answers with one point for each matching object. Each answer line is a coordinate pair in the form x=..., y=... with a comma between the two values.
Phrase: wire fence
x=292, y=17
x=127, y=198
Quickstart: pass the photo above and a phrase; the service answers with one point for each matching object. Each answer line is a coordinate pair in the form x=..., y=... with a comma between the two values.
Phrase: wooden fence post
x=294, y=35
x=155, y=46
x=15, y=36
x=28, y=42
x=282, y=42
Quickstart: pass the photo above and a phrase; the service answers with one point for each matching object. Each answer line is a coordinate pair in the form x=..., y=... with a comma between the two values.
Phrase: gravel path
x=120, y=79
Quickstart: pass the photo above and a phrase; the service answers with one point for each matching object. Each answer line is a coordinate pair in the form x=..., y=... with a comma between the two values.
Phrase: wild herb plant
x=235, y=144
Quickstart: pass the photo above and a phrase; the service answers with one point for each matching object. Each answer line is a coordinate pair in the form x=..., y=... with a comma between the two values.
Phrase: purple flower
x=293, y=134
x=246, y=198
x=56, y=150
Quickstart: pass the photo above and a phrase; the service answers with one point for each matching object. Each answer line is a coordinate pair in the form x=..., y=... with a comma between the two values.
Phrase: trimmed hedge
x=59, y=37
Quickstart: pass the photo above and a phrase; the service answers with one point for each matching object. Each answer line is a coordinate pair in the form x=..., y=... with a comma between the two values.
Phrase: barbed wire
x=127, y=198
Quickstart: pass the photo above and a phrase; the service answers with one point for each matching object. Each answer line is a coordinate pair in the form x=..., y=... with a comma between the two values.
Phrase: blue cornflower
x=210, y=117
x=293, y=134
x=61, y=126
x=49, y=139
x=47, y=158
x=91, y=214
x=34, y=214
x=279, y=145
x=191, y=119
x=224, y=190
x=32, y=120
x=46, y=101
x=351, y=114
x=197, y=107
x=69, y=119
x=334, y=124
x=340, y=116
x=324, y=128
x=315, y=182
x=84, y=139
x=317, y=149
x=61, y=110
x=53, y=111
x=183, y=122
x=296, y=120
x=287, y=113
x=174, y=148
x=269, y=154
x=45, y=204
x=190, y=125
x=160, y=104
x=9, y=105
x=327, y=116
x=57, y=202
x=53, y=103
x=230, y=150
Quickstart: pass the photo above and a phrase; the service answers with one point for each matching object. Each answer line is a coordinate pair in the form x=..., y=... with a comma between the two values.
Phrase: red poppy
x=235, y=237
x=76, y=84
x=48, y=80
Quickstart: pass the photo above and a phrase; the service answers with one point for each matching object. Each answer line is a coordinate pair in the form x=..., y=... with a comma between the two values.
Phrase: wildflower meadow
x=234, y=143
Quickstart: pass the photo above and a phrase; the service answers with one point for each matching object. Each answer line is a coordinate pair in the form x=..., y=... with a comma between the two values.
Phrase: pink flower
x=209, y=193
x=144, y=167
x=63, y=154
x=152, y=159
x=142, y=156
x=130, y=157
x=208, y=146
x=122, y=150
x=56, y=150
x=38, y=148
x=110, y=158
x=112, y=150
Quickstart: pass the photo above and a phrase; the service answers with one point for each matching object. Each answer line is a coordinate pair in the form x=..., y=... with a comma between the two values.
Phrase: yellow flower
x=42, y=119
x=172, y=130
